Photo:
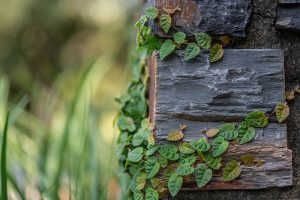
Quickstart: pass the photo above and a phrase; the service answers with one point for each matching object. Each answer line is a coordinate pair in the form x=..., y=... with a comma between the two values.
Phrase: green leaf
x=3, y=160
x=140, y=181
x=166, y=49
x=138, y=139
x=282, y=112
x=219, y=146
x=151, y=12
x=201, y=145
x=216, y=53
x=214, y=163
x=191, y=51
x=248, y=160
x=169, y=151
x=184, y=170
x=179, y=37
x=228, y=131
x=246, y=136
x=187, y=159
x=141, y=22
x=203, y=39
x=138, y=196
x=151, y=149
x=151, y=194
x=203, y=175
x=126, y=123
x=163, y=161
x=174, y=184
x=175, y=135
x=232, y=170
x=165, y=22
x=257, y=119
x=135, y=155
x=152, y=167
x=186, y=148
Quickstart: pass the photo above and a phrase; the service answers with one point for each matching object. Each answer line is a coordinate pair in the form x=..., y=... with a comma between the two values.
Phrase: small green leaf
x=184, y=170
x=219, y=146
x=248, y=160
x=201, y=145
x=186, y=148
x=166, y=49
x=203, y=175
x=214, y=163
x=126, y=123
x=138, y=196
x=179, y=37
x=191, y=51
x=187, y=159
x=175, y=135
x=141, y=22
x=140, y=181
x=282, y=112
x=169, y=151
x=216, y=53
x=257, y=119
x=151, y=194
x=136, y=154
x=138, y=139
x=232, y=170
x=246, y=136
x=228, y=131
x=163, y=161
x=165, y=22
x=151, y=149
x=174, y=184
x=204, y=40
x=152, y=167
x=151, y=12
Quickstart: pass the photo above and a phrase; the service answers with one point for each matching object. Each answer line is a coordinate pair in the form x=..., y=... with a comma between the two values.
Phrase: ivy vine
x=155, y=170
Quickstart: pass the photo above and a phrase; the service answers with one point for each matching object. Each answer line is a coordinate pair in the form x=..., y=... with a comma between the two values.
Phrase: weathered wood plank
x=229, y=17
x=288, y=17
x=246, y=79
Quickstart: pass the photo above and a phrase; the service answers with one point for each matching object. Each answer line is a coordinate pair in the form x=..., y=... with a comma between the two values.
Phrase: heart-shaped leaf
x=169, y=151
x=186, y=148
x=191, y=51
x=282, y=112
x=135, y=155
x=138, y=139
x=257, y=119
x=126, y=123
x=166, y=49
x=201, y=145
x=138, y=196
x=151, y=194
x=246, y=135
x=219, y=146
x=232, y=170
x=248, y=160
x=187, y=159
x=216, y=53
x=212, y=132
x=184, y=170
x=175, y=135
x=151, y=12
x=163, y=161
x=202, y=175
x=151, y=149
x=165, y=22
x=203, y=39
x=228, y=131
x=140, y=181
x=179, y=37
x=151, y=167
x=214, y=163
x=174, y=184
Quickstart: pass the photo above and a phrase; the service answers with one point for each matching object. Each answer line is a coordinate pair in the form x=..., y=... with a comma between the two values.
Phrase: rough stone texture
x=288, y=1
x=228, y=17
x=288, y=17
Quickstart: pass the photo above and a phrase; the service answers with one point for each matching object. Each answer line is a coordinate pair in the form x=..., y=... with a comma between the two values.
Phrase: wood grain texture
x=228, y=17
x=288, y=17
x=245, y=80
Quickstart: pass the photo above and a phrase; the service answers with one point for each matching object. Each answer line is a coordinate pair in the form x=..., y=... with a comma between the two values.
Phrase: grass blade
x=3, y=163
x=15, y=186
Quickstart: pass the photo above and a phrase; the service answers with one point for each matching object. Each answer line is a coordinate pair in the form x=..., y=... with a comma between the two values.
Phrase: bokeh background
x=62, y=62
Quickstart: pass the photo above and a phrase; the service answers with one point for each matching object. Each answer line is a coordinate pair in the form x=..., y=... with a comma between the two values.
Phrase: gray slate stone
x=288, y=1
x=228, y=17
x=288, y=18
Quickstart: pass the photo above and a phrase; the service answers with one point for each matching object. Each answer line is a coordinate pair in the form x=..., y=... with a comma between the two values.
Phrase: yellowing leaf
x=140, y=181
x=216, y=53
x=151, y=139
x=165, y=22
x=212, y=132
x=225, y=40
x=282, y=112
x=170, y=11
x=232, y=171
x=247, y=160
x=175, y=135
x=290, y=95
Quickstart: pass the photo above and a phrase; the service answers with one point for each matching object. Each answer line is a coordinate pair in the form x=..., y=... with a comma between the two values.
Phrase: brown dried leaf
x=282, y=112
x=151, y=139
x=175, y=135
x=247, y=160
x=182, y=127
x=260, y=163
x=170, y=11
x=225, y=40
x=290, y=95
x=212, y=132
